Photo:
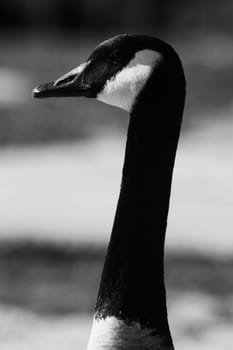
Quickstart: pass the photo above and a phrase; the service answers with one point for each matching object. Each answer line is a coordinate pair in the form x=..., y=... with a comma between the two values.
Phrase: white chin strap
x=121, y=91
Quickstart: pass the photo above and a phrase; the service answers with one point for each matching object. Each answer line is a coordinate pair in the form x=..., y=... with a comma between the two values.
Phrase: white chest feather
x=113, y=334
x=122, y=90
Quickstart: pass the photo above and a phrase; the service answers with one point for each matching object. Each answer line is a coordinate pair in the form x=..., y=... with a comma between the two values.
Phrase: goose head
x=115, y=73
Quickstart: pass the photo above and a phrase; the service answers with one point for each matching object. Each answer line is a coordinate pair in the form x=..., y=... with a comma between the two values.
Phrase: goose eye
x=115, y=58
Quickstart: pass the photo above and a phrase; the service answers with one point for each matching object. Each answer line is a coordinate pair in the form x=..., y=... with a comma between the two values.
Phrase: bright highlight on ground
x=69, y=192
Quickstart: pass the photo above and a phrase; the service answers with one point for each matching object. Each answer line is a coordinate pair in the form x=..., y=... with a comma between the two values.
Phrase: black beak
x=69, y=85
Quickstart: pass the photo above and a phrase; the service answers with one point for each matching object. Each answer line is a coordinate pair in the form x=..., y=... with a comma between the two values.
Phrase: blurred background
x=60, y=170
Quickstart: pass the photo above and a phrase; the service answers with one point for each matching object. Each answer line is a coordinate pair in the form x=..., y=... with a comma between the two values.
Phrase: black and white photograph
x=116, y=175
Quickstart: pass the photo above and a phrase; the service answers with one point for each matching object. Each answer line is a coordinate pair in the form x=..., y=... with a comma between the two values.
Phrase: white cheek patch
x=76, y=71
x=111, y=333
x=122, y=90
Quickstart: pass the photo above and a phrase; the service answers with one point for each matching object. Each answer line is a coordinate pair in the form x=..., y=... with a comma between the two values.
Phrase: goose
x=144, y=76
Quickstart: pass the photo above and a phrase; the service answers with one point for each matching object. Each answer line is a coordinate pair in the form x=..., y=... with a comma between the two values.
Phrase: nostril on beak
x=65, y=80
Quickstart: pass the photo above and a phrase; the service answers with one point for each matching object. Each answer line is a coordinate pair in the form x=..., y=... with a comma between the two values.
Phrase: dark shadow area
x=61, y=279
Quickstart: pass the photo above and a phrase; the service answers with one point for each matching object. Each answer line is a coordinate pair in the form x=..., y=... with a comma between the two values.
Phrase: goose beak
x=69, y=85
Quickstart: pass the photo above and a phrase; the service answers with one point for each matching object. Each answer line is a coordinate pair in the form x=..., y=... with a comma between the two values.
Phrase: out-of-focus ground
x=192, y=317
x=60, y=169
x=48, y=293
x=52, y=192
